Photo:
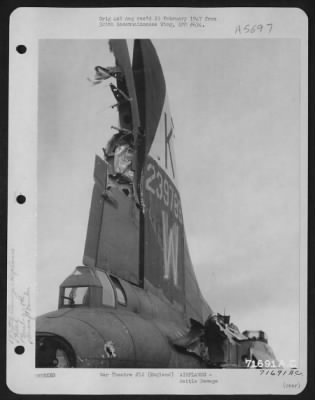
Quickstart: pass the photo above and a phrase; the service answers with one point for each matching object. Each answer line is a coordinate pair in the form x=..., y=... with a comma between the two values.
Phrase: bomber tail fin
x=136, y=228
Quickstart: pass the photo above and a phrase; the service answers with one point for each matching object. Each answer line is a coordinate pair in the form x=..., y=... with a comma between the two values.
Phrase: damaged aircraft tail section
x=136, y=301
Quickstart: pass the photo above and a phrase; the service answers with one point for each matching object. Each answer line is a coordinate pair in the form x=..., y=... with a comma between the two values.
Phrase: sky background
x=235, y=106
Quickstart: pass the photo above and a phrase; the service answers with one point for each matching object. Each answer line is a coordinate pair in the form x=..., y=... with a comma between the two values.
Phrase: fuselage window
x=76, y=296
x=120, y=293
x=108, y=291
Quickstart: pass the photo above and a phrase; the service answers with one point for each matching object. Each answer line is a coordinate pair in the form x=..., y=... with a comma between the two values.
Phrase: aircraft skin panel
x=162, y=146
x=197, y=307
x=166, y=258
x=112, y=238
x=163, y=236
x=134, y=342
x=150, y=86
x=119, y=237
x=95, y=216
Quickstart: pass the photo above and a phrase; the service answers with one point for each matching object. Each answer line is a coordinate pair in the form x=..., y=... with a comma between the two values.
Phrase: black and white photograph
x=169, y=208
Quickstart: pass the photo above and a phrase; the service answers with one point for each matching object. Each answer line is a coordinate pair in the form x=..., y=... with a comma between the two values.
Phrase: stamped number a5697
x=253, y=28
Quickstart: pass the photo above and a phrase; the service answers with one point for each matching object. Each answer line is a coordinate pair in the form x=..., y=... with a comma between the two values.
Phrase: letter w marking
x=170, y=248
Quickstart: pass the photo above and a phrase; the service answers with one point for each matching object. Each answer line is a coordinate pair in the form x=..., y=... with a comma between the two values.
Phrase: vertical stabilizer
x=136, y=227
x=166, y=262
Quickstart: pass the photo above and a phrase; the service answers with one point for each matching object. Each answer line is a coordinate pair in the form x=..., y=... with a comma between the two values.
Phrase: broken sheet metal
x=126, y=95
x=102, y=73
x=128, y=114
x=121, y=97
x=192, y=340
x=122, y=161
x=109, y=349
x=220, y=325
